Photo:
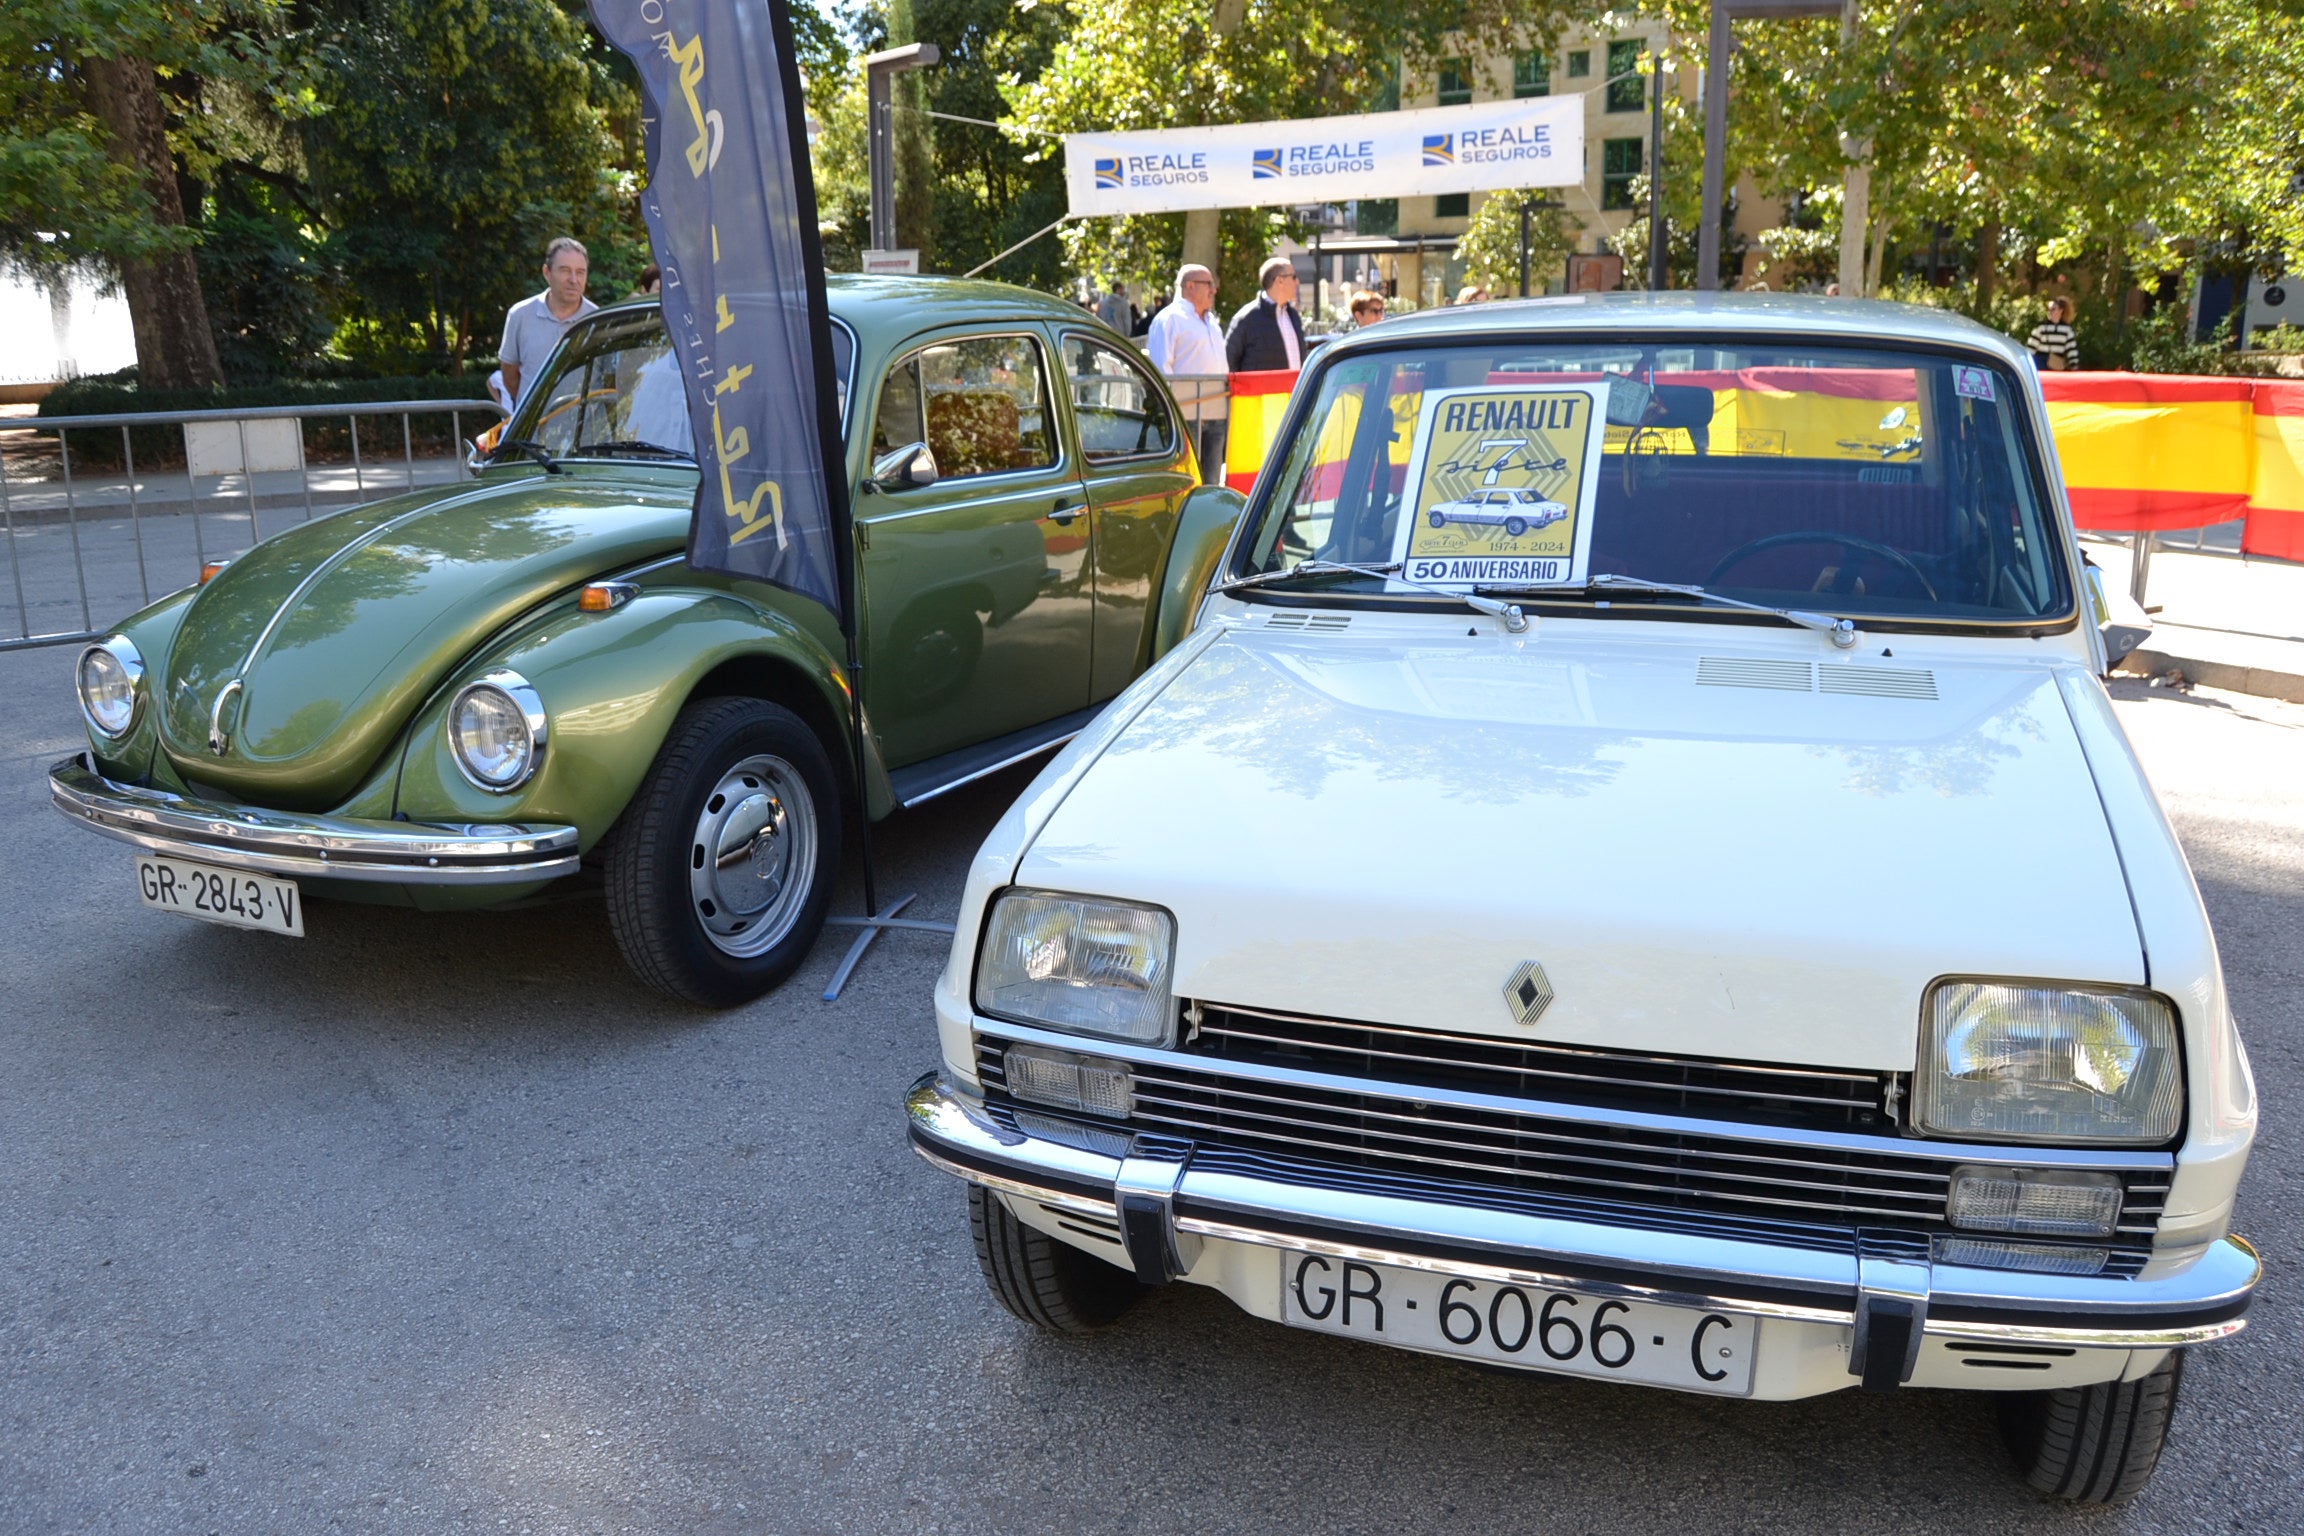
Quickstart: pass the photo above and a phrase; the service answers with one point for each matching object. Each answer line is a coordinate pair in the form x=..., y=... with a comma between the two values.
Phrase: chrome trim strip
x=1052, y=744
x=312, y=847
x=2119, y=1160
x=951, y=1130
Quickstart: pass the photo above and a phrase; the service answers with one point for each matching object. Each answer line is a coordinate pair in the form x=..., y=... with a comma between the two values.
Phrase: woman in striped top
x=2053, y=344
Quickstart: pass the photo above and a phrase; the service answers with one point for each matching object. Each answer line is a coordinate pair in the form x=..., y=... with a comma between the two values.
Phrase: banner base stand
x=875, y=925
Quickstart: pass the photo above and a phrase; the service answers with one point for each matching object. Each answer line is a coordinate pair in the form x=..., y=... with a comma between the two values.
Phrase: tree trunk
x=1204, y=227
x=1987, y=266
x=174, y=347
x=1872, y=262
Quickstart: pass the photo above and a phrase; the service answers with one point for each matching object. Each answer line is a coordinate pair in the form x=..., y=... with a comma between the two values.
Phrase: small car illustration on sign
x=1515, y=510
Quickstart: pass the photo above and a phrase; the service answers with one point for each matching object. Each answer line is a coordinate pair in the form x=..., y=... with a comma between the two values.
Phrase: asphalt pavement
x=437, y=1225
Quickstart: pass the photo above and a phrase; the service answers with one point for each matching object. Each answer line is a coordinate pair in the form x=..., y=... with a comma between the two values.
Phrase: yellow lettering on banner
x=715, y=242
x=729, y=383
x=727, y=318
x=745, y=512
x=709, y=132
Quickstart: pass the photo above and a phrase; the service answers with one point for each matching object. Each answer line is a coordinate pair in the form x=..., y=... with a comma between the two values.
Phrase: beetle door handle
x=1066, y=511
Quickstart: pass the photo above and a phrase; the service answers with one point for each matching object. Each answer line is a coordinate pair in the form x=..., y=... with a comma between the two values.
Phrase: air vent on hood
x=1744, y=672
x=1299, y=618
x=1880, y=682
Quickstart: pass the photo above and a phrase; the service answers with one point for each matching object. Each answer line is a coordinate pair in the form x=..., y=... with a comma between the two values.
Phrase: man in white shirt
x=1184, y=341
x=534, y=326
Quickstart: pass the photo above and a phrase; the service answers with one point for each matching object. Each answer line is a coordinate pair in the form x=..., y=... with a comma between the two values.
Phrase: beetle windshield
x=615, y=391
x=1879, y=483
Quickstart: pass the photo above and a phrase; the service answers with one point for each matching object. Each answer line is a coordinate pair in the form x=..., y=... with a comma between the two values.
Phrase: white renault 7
x=1718, y=940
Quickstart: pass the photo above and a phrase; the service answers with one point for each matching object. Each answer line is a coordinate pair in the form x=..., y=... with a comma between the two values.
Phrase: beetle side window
x=980, y=404
x=1121, y=412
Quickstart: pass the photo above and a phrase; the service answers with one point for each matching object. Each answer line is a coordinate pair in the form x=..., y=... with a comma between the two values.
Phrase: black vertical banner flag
x=731, y=209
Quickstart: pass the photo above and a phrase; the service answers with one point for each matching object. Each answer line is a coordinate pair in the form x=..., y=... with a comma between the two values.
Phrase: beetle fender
x=1203, y=529
x=612, y=684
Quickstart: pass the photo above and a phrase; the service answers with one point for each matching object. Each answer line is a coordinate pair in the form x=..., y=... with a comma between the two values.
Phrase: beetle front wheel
x=720, y=870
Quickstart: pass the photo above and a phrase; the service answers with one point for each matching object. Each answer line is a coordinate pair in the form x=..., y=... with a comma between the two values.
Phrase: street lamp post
x=1720, y=44
x=1657, y=264
x=880, y=141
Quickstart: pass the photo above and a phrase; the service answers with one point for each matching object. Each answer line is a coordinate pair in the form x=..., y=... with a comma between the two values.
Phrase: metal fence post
x=248, y=482
x=408, y=450
x=303, y=469
x=359, y=485
x=72, y=521
x=15, y=561
x=2140, y=564
x=135, y=514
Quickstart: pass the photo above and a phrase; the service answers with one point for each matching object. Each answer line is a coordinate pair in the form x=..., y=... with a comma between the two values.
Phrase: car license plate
x=1573, y=1332
x=220, y=895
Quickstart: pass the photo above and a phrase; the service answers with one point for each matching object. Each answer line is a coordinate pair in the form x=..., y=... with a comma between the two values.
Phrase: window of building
x=1452, y=205
x=1579, y=63
x=1619, y=163
x=1532, y=75
x=1455, y=83
x=1627, y=86
x=1376, y=216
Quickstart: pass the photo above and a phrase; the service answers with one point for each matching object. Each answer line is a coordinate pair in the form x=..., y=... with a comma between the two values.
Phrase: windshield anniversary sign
x=1504, y=485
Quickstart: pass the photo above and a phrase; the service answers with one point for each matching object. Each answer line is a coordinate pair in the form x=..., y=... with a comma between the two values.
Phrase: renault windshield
x=1893, y=487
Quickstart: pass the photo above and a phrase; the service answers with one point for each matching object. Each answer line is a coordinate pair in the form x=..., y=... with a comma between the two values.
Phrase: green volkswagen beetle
x=457, y=697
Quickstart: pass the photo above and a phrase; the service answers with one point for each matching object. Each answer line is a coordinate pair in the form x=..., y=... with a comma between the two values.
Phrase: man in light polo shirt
x=534, y=326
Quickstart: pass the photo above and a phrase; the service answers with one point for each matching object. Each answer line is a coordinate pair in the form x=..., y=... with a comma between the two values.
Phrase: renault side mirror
x=2120, y=619
x=903, y=469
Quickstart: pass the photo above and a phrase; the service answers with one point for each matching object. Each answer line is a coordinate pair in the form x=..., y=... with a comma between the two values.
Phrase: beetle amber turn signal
x=601, y=596
x=208, y=570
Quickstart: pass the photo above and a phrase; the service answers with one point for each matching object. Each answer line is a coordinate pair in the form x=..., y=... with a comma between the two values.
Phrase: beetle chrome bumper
x=311, y=847
x=1890, y=1288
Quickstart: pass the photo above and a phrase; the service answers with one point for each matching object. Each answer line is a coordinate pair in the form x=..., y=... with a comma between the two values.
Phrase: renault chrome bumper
x=1888, y=1287
x=311, y=847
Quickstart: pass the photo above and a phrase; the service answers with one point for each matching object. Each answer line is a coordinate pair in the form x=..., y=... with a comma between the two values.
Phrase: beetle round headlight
x=111, y=679
x=496, y=731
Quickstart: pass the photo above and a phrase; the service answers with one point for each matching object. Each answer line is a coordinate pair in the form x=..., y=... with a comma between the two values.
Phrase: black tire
x=654, y=911
x=1514, y=527
x=1437, y=518
x=1041, y=1281
x=2093, y=1445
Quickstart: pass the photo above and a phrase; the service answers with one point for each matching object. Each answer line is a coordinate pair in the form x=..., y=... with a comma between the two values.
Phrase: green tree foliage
x=986, y=194
x=1490, y=244
x=452, y=139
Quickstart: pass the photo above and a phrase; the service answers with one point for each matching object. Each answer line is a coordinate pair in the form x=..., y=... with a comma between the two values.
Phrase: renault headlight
x=1077, y=963
x=111, y=679
x=496, y=731
x=2004, y=1061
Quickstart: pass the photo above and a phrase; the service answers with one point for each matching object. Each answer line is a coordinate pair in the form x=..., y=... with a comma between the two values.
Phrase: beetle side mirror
x=903, y=469
x=2123, y=624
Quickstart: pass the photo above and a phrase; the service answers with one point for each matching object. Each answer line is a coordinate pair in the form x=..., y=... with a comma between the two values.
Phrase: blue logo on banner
x=1108, y=174
x=1267, y=165
x=1439, y=149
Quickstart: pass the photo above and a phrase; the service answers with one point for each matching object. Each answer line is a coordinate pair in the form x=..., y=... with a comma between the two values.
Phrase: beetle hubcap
x=753, y=856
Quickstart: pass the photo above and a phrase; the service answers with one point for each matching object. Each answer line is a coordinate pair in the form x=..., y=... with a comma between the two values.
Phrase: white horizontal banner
x=1489, y=146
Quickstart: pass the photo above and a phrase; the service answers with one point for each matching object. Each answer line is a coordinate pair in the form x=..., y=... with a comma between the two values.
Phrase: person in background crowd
x=651, y=281
x=534, y=326
x=1267, y=333
x=1113, y=308
x=1144, y=317
x=2053, y=343
x=1471, y=293
x=1367, y=309
x=1184, y=340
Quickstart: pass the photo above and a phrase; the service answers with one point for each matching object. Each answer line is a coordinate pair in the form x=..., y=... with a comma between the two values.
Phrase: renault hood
x=1734, y=845
x=337, y=630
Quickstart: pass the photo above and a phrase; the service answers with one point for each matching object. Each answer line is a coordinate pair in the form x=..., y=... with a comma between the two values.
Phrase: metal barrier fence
x=84, y=546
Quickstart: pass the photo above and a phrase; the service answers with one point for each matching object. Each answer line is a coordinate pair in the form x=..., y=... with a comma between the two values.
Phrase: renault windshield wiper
x=527, y=448
x=631, y=446
x=1842, y=631
x=1514, y=620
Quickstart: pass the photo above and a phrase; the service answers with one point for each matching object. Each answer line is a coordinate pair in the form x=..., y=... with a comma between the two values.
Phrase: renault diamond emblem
x=1528, y=993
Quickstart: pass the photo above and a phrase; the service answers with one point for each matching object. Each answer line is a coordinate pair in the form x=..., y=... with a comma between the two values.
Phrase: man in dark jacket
x=1266, y=333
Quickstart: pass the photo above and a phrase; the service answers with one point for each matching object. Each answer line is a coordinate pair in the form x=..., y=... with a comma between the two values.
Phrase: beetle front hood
x=1727, y=842
x=338, y=630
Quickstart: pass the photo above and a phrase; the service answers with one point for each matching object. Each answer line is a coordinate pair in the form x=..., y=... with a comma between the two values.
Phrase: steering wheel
x=1845, y=541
